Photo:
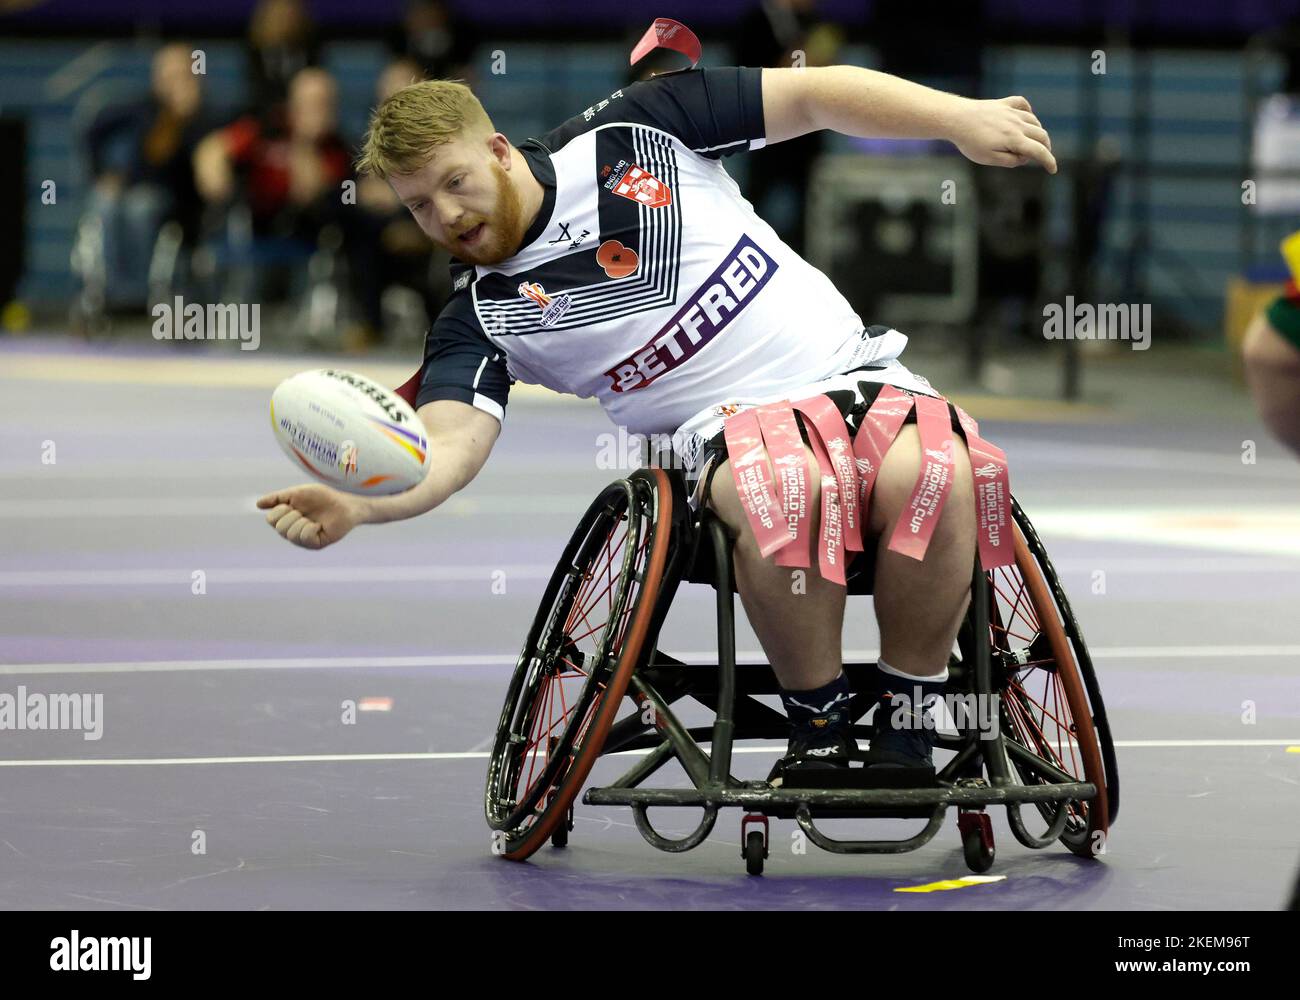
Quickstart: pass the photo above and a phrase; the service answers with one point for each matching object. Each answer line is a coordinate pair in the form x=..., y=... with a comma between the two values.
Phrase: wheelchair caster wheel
x=977, y=840
x=560, y=838
x=754, y=844
x=755, y=852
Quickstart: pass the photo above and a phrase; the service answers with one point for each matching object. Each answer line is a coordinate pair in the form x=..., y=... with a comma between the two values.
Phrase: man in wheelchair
x=615, y=257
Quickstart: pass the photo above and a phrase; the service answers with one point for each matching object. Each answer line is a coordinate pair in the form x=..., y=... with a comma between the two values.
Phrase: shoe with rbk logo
x=823, y=743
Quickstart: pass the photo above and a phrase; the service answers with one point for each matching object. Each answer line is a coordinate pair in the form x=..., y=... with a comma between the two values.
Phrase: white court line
x=1225, y=464
x=170, y=577
x=744, y=657
x=1280, y=562
x=1103, y=521
x=277, y=663
x=271, y=574
x=330, y=758
x=92, y=508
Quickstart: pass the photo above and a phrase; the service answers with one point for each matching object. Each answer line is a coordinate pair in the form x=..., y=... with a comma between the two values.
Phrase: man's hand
x=312, y=515
x=1001, y=133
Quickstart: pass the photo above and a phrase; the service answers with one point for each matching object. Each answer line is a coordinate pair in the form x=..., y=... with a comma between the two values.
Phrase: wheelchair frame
x=699, y=551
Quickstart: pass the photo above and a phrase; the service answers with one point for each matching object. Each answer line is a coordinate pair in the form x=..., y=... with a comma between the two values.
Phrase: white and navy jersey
x=647, y=280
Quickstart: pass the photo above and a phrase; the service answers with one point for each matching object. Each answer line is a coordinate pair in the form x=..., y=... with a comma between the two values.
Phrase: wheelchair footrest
x=862, y=777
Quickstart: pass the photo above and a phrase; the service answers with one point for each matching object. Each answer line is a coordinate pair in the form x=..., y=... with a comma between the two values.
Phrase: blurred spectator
x=141, y=161
x=285, y=178
x=1272, y=358
x=384, y=244
x=290, y=171
x=783, y=33
x=433, y=37
x=1275, y=146
x=282, y=43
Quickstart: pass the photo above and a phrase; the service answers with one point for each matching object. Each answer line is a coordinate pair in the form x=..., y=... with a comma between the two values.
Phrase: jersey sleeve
x=461, y=363
x=716, y=112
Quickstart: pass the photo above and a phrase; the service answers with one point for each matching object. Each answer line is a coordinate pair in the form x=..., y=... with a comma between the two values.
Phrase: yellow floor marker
x=953, y=883
x=1293, y=749
x=1291, y=253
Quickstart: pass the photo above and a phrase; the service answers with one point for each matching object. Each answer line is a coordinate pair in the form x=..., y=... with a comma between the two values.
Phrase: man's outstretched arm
x=862, y=102
x=460, y=439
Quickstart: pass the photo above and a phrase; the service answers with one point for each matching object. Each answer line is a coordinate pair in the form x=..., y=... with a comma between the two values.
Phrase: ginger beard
x=503, y=229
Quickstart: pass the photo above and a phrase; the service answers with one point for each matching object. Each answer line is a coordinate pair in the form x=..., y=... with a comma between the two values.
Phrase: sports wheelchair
x=596, y=640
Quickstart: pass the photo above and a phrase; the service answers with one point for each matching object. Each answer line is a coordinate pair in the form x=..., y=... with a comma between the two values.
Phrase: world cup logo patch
x=553, y=307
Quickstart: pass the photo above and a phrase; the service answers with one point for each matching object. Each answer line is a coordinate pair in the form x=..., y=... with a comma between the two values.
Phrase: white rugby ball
x=350, y=432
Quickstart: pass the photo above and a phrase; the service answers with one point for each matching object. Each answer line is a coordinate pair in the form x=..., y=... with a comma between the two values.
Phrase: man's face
x=465, y=201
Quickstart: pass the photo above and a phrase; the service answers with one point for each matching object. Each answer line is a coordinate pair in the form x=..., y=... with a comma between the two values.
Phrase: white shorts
x=698, y=444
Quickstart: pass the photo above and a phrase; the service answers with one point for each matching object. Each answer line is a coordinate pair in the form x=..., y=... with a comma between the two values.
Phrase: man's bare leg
x=920, y=605
x=799, y=622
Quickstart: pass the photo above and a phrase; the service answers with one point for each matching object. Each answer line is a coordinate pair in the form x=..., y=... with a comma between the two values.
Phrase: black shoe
x=814, y=751
x=895, y=746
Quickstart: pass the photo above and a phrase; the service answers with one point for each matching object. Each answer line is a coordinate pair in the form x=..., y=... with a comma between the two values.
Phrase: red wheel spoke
x=564, y=704
x=1064, y=712
x=625, y=618
x=636, y=565
x=1030, y=613
x=634, y=589
x=1002, y=594
x=549, y=730
x=591, y=631
x=596, y=598
x=591, y=714
x=579, y=607
x=581, y=613
x=580, y=601
x=1036, y=730
x=1061, y=727
x=609, y=566
x=530, y=747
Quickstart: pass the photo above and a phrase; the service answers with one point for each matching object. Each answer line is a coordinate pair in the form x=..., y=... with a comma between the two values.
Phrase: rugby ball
x=350, y=432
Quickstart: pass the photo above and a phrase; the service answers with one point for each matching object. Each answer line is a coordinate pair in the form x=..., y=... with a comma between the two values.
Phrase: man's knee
x=897, y=480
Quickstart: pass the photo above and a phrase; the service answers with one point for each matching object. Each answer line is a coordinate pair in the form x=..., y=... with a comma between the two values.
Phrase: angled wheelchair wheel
x=1051, y=704
x=585, y=642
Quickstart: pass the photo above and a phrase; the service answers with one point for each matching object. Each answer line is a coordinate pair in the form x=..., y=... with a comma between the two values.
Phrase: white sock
x=895, y=672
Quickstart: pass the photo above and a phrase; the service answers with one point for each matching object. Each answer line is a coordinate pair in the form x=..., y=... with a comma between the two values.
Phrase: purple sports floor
x=226, y=777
